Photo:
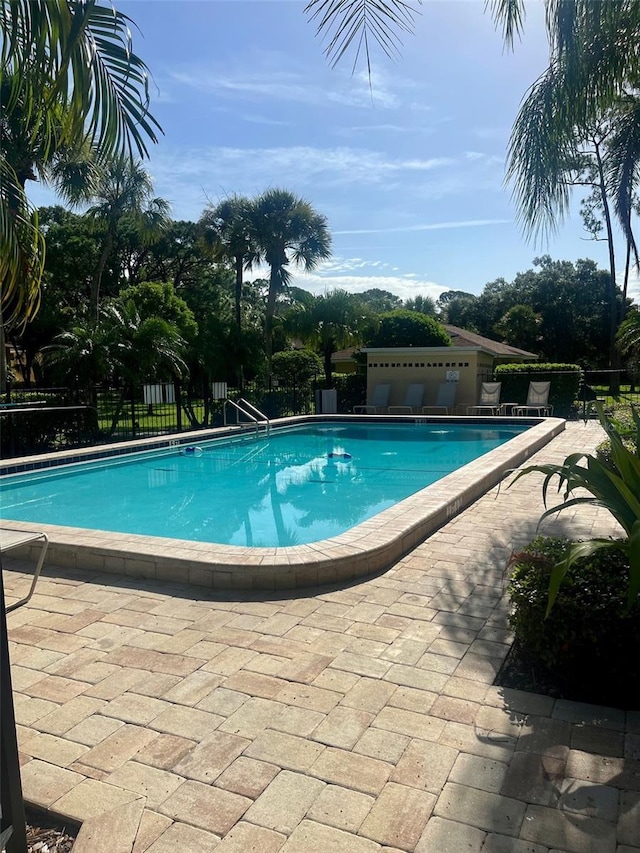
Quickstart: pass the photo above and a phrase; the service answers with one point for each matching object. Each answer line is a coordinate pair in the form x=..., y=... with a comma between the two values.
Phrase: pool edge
x=368, y=548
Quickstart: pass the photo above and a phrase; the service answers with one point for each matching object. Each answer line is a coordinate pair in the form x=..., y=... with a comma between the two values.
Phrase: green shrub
x=622, y=419
x=589, y=638
x=564, y=378
x=605, y=455
x=352, y=390
x=50, y=399
x=296, y=367
x=402, y=328
x=616, y=489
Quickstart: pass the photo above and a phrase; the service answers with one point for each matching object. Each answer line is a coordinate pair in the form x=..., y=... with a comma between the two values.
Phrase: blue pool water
x=300, y=485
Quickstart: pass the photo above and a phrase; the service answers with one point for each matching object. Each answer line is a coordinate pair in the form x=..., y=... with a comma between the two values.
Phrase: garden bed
x=521, y=671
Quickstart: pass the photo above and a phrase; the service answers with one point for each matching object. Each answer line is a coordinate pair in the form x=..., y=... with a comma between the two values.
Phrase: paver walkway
x=357, y=720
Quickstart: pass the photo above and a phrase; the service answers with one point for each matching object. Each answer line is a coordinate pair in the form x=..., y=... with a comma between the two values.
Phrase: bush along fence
x=564, y=390
x=573, y=391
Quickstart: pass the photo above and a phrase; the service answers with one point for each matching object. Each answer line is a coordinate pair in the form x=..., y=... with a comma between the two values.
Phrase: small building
x=469, y=362
x=343, y=360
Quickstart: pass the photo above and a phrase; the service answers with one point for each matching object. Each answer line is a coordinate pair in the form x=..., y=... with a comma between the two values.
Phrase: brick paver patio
x=354, y=720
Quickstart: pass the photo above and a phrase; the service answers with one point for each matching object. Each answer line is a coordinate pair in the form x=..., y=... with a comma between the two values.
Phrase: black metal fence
x=41, y=420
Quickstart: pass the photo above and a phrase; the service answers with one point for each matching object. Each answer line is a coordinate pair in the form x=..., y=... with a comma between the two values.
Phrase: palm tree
x=70, y=170
x=124, y=190
x=143, y=346
x=332, y=322
x=594, y=67
x=123, y=345
x=228, y=231
x=422, y=304
x=629, y=336
x=84, y=355
x=591, y=79
x=546, y=160
x=287, y=229
x=60, y=57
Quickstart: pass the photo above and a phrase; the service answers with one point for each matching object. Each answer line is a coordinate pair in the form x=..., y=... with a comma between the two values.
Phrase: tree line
x=130, y=295
x=74, y=111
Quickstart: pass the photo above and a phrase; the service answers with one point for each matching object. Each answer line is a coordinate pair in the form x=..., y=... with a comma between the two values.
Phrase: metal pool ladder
x=244, y=407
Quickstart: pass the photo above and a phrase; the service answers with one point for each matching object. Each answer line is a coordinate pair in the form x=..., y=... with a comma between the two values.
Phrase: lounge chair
x=378, y=404
x=412, y=401
x=489, y=402
x=537, y=400
x=445, y=399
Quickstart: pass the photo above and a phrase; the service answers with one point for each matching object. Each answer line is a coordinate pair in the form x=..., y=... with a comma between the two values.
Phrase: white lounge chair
x=378, y=404
x=412, y=401
x=489, y=401
x=445, y=399
x=537, y=400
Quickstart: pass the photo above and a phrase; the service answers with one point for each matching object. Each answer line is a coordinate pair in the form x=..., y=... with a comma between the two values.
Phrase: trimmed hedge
x=25, y=433
x=352, y=390
x=565, y=383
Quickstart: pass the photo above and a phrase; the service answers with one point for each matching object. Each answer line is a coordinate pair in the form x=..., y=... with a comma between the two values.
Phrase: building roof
x=464, y=338
x=344, y=354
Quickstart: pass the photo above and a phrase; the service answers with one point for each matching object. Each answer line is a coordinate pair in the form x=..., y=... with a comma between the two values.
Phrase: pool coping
x=369, y=548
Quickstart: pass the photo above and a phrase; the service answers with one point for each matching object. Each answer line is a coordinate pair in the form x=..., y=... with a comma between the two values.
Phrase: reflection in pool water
x=301, y=485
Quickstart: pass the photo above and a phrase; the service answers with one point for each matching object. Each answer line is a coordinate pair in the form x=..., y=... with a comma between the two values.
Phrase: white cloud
x=633, y=290
x=256, y=119
x=399, y=285
x=265, y=80
x=182, y=175
x=380, y=128
x=356, y=275
x=433, y=226
x=280, y=85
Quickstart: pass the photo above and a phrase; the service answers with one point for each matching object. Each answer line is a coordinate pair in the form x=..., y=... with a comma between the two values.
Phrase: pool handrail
x=243, y=406
x=256, y=411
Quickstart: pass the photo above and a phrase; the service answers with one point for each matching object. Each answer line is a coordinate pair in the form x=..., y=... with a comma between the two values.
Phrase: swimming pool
x=297, y=486
x=367, y=546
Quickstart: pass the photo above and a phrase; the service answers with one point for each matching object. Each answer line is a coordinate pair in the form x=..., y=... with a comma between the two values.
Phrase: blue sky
x=409, y=170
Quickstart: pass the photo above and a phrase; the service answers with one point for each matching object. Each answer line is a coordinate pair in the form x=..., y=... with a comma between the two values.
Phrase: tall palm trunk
x=613, y=308
x=96, y=281
x=238, y=293
x=625, y=284
x=3, y=356
x=238, y=310
x=327, y=353
x=270, y=310
x=627, y=264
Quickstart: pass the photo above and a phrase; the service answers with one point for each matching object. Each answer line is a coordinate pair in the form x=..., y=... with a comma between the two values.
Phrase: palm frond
x=78, y=55
x=542, y=145
x=21, y=251
x=598, y=44
x=628, y=337
x=349, y=24
x=624, y=164
x=69, y=79
x=509, y=15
